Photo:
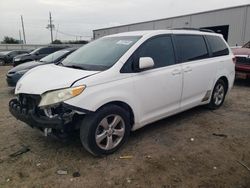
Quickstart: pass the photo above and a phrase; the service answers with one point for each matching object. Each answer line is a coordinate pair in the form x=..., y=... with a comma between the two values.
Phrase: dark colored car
x=242, y=67
x=17, y=72
x=37, y=54
x=6, y=57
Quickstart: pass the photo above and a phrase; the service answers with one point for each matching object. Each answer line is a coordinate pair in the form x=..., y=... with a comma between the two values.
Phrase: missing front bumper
x=34, y=119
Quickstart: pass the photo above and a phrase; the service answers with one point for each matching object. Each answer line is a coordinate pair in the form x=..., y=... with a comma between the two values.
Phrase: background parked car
x=17, y=72
x=6, y=57
x=37, y=54
x=242, y=67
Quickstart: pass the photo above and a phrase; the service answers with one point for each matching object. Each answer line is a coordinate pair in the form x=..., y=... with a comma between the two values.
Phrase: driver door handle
x=187, y=69
x=176, y=72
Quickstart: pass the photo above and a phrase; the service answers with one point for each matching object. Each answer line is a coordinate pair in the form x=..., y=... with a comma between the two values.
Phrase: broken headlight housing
x=60, y=95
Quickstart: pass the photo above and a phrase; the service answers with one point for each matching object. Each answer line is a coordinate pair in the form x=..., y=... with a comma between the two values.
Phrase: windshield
x=100, y=54
x=34, y=51
x=53, y=56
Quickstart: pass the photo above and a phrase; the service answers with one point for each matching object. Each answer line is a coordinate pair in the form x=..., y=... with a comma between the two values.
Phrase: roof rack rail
x=194, y=29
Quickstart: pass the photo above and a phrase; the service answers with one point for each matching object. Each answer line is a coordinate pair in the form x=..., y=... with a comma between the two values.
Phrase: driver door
x=158, y=90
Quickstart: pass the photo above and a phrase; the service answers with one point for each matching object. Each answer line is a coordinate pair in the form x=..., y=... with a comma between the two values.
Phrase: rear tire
x=106, y=130
x=218, y=95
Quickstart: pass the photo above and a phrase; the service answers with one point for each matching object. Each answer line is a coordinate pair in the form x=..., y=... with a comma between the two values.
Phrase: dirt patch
x=181, y=151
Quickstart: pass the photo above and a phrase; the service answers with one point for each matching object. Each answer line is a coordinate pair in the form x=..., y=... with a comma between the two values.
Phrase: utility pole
x=24, y=39
x=51, y=27
x=20, y=37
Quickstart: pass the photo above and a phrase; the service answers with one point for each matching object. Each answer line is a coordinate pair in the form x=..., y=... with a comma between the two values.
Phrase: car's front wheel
x=104, y=131
x=2, y=62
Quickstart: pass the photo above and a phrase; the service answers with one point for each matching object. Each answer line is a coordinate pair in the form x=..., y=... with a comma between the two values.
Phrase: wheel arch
x=126, y=107
x=225, y=79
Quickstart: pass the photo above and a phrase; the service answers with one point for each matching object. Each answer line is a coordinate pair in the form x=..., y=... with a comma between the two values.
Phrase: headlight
x=57, y=96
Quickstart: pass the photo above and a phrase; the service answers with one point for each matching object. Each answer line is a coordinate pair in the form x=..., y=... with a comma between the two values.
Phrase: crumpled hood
x=49, y=77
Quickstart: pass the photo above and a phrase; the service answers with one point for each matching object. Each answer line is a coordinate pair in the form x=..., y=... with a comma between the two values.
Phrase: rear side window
x=160, y=49
x=217, y=45
x=45, y=51
x=191, y=47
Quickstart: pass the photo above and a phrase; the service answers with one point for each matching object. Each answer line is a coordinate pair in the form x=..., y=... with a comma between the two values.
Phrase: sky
x=75, y=18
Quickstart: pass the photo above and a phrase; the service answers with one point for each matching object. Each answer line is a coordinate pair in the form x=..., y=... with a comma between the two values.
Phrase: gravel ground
x=180, y=151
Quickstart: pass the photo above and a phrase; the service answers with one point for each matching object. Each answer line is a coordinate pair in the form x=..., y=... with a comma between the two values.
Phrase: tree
x=9, y=40
x=76, y=42
x=57, y=42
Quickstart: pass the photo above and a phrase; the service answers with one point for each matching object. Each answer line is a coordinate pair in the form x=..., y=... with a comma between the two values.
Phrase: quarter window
x=191, y=47
x=217, y=45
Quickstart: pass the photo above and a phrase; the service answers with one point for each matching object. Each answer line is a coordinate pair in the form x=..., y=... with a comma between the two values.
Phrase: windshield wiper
x=75, y=67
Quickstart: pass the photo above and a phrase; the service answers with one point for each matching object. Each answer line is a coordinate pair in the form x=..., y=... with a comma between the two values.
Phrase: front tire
x=218, y=95
x=2, y=62
x=106, y=130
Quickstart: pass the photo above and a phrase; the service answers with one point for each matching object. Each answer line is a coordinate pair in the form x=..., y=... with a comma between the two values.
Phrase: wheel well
x=225, y=80
x=126, y=107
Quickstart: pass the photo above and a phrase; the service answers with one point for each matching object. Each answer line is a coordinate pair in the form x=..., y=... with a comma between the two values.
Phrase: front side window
x=191, y=47
x=100, y=54
x=160, y=49
x=217, y=45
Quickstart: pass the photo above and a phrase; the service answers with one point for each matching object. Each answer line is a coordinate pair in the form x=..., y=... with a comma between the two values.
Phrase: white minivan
x=122, y=82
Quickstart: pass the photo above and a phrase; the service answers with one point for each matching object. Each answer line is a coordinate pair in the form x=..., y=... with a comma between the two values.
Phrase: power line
x=73, y=35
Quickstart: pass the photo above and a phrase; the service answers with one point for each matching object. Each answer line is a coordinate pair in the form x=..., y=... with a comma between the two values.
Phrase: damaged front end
x=54, y=117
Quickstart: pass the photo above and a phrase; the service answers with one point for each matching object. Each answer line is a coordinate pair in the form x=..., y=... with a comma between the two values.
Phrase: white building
x=233, y=23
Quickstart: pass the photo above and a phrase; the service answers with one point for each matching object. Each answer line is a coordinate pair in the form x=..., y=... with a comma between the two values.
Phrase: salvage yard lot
x=197, y=148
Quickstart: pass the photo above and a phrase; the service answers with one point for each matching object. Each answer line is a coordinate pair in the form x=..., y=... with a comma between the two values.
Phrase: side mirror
x=145, y=63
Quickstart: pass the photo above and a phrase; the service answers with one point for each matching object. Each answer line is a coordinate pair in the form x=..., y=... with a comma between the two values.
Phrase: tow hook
x=47, y=131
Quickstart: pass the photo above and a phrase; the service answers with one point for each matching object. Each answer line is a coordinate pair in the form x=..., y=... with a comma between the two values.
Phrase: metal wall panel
x=232, y=17
x=181, y=22
x=238, y=19
x=247, y=27
x=142, y=26
x=163, y=24
x=100, y=33
x=123, y=29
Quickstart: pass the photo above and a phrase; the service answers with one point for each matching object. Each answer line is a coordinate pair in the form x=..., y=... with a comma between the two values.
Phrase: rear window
x=217, y=45
x=191, y=47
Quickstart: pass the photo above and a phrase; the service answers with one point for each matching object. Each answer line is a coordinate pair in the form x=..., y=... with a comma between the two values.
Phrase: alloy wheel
x=110, y=132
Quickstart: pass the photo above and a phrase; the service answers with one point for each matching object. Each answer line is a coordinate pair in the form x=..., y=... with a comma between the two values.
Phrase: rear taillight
x=234, y=60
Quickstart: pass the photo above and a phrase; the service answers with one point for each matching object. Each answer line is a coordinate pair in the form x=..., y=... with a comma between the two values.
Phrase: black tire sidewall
x=90, y=124
x=212, y=104
x=3, y=62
